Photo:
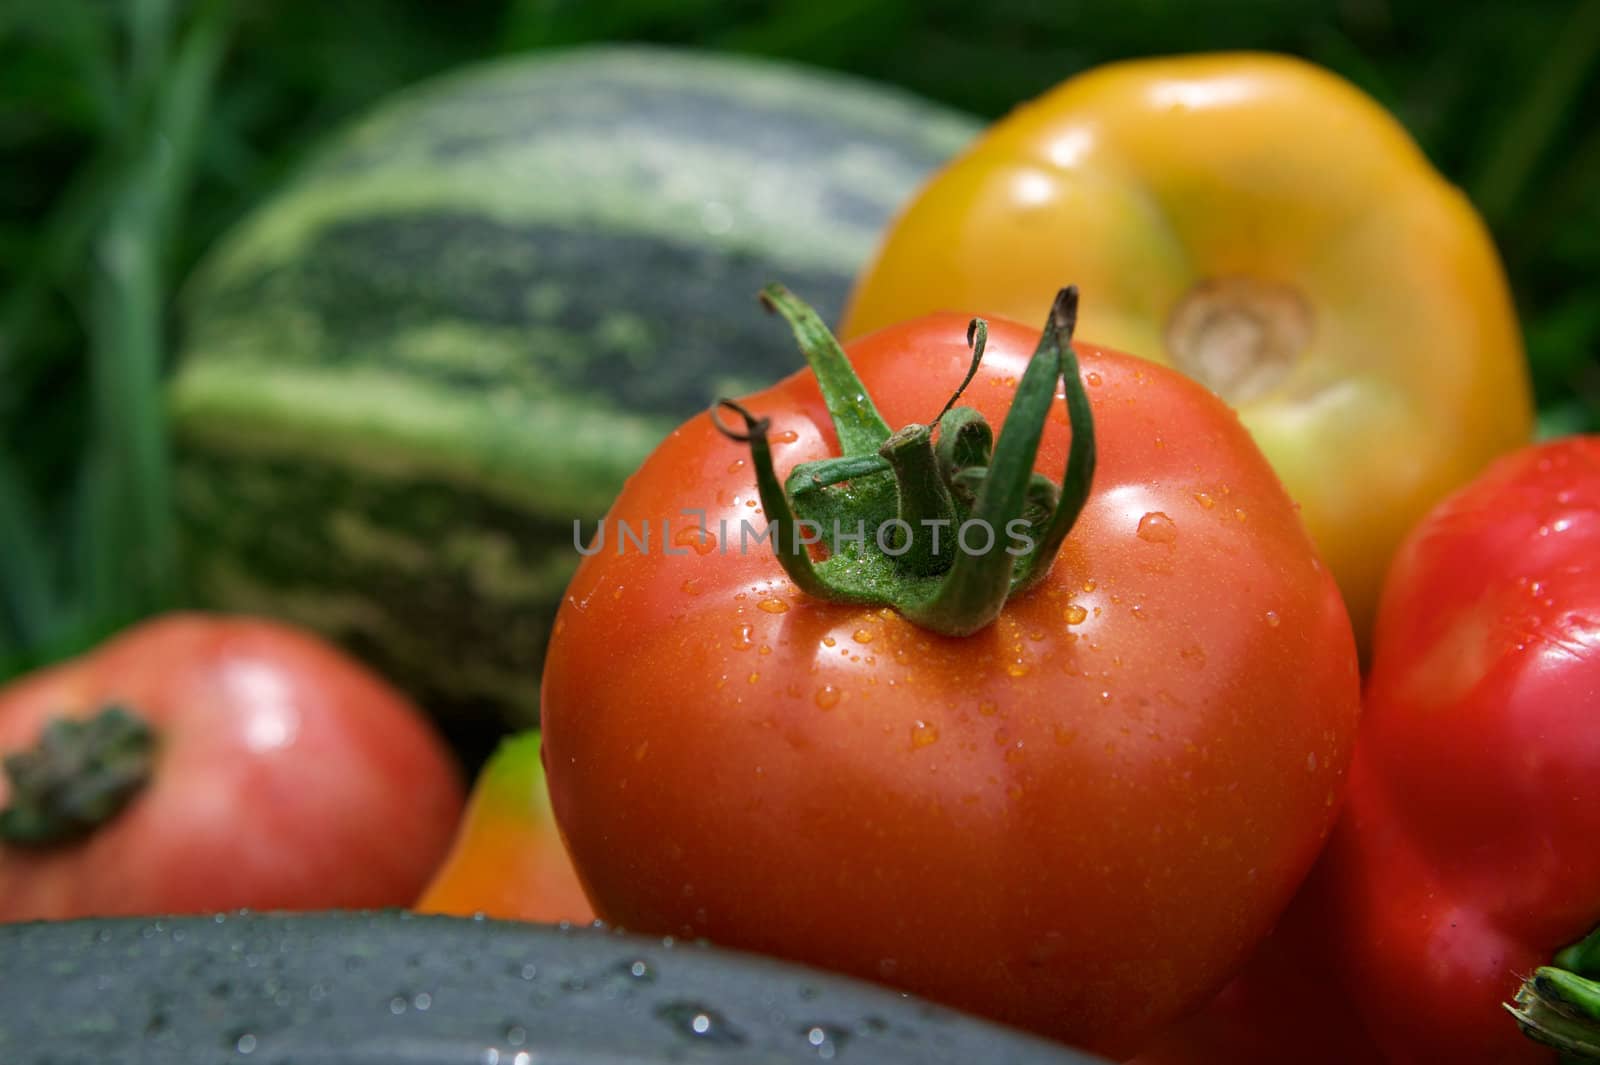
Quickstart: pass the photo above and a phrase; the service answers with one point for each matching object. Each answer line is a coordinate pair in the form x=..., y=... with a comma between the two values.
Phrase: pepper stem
x=81, y=774
x=1562, y=1010
x=1559, y=1005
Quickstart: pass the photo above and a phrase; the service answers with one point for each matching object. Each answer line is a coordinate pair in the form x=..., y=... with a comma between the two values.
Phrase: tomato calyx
x=937, y=520
x=78, y=776
x=1559, y=1005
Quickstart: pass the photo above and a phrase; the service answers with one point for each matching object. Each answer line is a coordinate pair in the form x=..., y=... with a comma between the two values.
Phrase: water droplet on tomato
x=1076, y=614
x=741, y=638
x=1272, y=618
x=1156, y=528
x=1239, y=514
x=693, y=536
x=788, y=436
x=862, y=636
x=827, y=697
x=923, y=734
x=1204, y=500
x=1092, y=379
x=773, y=605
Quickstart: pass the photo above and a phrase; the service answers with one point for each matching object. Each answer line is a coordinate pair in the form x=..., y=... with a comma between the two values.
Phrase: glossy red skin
x=1466, y=856
x=1080, y=829
x=1288, y=1006
x=288, y=777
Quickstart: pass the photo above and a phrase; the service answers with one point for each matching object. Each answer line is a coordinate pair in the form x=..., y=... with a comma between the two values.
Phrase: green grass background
x=132, y=133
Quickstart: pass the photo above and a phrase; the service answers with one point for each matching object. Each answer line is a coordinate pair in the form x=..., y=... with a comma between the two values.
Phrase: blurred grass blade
x=1529, y=130
x=27, y=605
x=129, y=557
x=149, y=34
x=83, y=34
x=64, y=236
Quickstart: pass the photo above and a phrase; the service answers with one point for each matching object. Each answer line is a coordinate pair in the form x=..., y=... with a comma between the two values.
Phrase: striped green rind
x=447, y=589
x=475, y=312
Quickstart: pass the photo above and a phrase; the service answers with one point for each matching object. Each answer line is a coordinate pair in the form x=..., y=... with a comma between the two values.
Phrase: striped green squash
x=475, y=313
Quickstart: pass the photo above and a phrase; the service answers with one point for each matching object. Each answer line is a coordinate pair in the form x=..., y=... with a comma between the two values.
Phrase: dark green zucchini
x=395, y=989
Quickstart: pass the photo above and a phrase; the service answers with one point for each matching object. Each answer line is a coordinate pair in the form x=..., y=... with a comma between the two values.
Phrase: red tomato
x=1465, y=858
x=284, y=776
x=1078, y=820
x=1286, y=1008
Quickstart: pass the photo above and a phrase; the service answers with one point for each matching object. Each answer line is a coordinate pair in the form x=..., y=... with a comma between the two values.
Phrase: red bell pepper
x=1465, y=858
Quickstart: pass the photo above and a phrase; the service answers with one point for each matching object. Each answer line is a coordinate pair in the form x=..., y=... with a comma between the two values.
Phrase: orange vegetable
x=507, y=860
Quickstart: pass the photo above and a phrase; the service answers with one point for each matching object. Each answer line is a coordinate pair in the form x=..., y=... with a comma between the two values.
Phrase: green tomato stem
x=924, y=564
x=79, y=775
x=861, y=428
x=926, y=506
x=1078, y=478
x=788, y=540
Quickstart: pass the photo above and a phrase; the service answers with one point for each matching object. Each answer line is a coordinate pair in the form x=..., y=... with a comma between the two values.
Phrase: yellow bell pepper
x=1262, y=225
